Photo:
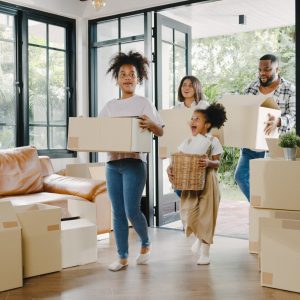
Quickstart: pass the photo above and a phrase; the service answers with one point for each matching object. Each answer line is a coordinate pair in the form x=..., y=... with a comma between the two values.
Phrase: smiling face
x=198, y=124
x=127, y=80
x=187, y=89
x=268, y=72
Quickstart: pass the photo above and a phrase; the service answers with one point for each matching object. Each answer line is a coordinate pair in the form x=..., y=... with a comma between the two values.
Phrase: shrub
x=289, y=140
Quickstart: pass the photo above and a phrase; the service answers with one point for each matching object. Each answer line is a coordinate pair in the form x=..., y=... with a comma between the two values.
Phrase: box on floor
x=108, y=134
x=11, y=248
x=78, y=242
x=280, y=254
x=255, y=214
x=41, y=235
x=274, y=184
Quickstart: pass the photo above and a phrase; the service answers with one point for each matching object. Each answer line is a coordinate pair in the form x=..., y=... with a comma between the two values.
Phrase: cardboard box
x=255, y=214
x=40, y=238
x=246, y=117
x=108, y=134
x=274, y=184
x=11, y=249
x=78, y=242
x=280, y=254
x=177, y=129
x=276, y=151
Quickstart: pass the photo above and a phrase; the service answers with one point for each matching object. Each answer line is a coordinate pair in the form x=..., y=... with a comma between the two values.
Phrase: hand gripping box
x=177, y=129
x=108, y=134
x=246, y=117
x=280, y=254
x=40, y=238
x=11, y=249
x=79, y=242
x=274, y=184
x=255, y=214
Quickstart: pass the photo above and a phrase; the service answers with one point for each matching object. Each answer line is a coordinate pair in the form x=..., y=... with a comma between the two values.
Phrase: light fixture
x=98, y=4
x=242, y=19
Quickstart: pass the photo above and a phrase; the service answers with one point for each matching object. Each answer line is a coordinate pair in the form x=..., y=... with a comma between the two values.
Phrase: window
x=37, y=77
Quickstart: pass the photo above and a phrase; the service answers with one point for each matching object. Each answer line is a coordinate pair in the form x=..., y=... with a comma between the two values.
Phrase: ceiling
x=222, y=17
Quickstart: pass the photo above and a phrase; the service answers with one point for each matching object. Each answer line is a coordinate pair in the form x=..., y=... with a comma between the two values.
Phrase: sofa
x=26, y=178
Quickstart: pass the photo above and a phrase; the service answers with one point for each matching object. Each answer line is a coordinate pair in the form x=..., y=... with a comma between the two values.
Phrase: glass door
x=173, y=61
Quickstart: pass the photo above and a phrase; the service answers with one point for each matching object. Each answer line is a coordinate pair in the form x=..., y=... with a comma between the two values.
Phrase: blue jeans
x=178, y=192
x=126, y=179
x=242, y=175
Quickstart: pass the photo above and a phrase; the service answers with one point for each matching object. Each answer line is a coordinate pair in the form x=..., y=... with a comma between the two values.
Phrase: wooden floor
x=172, y=274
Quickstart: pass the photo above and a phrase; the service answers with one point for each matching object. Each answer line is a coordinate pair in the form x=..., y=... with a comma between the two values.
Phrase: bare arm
x=146, y=123
x=214, y=162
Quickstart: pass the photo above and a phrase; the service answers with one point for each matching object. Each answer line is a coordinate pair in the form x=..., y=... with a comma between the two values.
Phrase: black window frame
x=21, y=16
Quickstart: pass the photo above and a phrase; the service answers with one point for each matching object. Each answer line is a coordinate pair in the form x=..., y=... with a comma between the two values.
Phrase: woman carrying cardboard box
x=126, y=172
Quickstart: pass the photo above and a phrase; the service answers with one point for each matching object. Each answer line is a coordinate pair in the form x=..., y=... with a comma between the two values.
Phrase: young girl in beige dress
x=199, y=209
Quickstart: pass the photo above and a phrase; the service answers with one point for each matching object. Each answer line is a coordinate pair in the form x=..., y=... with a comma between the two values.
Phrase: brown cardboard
x=177, y=129
x=40, y=238
x=11, y=249
x=255, y=214
x=276, y=182
x=276, y=151
x=280, y=254
x=246, y=117
x=108, y=134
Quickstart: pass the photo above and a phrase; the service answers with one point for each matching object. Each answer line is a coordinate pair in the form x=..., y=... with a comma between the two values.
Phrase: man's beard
x=268, y=82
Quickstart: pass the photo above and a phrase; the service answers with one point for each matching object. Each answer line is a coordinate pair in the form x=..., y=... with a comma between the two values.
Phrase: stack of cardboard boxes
x=274, y=221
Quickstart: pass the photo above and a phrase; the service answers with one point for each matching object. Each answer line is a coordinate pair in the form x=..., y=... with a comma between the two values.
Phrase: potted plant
x=289, y=142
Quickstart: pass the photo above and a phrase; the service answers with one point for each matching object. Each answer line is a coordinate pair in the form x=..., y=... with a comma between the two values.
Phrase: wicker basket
x=187, y=173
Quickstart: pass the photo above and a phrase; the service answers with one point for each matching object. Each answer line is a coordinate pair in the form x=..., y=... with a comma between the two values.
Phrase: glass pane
x=7, y=137
x=167, y=34
x=38, y=137
x=37, y=33
x=107, y=31
x=37, y=85
x=57, y=87
x=132, y=26
x=167, y=186
x=58, y=137
x=167, y=76
x=139, y=47
x=180, y=65
x=6, y=27
x=180, y=38
x=57, y=37
x=7, y=83
x=106, y=85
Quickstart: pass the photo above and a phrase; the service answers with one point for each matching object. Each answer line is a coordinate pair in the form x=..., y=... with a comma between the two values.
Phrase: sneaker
x=142, y=259
x=117, y=266
x=204, y=255
x=196, y=246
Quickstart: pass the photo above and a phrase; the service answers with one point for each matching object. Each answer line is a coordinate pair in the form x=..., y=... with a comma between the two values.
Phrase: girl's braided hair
x=132, y=58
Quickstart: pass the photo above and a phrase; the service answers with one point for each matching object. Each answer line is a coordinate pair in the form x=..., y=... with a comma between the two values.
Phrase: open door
x=172, y=62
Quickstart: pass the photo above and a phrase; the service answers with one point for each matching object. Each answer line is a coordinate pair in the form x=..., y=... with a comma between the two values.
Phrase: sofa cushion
x=20, y=171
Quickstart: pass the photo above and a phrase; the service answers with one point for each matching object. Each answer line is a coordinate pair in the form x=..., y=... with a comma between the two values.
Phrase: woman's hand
x=204, y=161
x=170, y=173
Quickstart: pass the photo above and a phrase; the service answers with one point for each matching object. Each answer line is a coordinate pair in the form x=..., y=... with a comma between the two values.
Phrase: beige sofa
x=26, y=178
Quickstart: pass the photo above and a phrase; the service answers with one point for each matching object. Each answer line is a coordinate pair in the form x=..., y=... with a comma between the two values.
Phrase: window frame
x=21, y=16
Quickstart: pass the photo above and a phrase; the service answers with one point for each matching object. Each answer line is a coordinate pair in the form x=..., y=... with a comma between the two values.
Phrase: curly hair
x=197, y=88
x=215, y=115
x=132, y=58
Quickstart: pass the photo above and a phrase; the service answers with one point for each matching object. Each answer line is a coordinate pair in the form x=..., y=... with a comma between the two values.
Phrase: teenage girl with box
x=199, y=209
x=126, y=172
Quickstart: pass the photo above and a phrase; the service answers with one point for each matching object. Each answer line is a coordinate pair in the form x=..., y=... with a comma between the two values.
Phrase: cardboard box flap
x=270, y=103
x=249, y=100
x=8, y=217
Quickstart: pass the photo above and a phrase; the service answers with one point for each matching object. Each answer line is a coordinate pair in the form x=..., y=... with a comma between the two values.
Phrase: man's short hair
x=270, y=57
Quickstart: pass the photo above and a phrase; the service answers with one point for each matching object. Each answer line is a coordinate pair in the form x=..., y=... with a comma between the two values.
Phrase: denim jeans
x=178, y=192
x=126, y=179
x=242, y=174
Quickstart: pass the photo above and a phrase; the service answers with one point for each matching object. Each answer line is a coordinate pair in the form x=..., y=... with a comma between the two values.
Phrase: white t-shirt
x=199, y=144
x=202, y=104
x=130, y=107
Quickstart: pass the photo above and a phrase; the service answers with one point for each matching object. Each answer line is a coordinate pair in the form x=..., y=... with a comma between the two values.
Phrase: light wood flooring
x=172, y=274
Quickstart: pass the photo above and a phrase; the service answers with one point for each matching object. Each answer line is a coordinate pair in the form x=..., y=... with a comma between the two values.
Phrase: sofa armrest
x=81, y=187
x=46, y=165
